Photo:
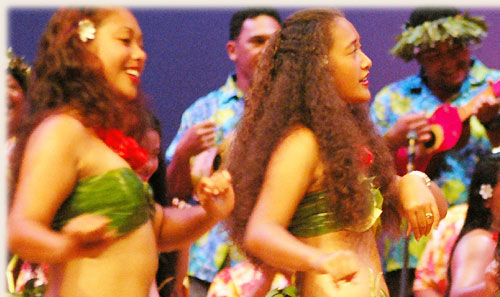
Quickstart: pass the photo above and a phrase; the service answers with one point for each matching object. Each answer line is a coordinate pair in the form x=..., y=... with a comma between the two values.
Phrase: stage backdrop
x=187, y=57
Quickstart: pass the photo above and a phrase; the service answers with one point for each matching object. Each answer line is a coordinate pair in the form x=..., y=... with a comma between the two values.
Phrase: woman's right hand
x=89, y=234
x=342, y=265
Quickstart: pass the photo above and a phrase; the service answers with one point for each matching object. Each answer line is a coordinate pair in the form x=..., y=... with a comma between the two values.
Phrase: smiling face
x=446, y=66
x=118, y=44
x=348, y=63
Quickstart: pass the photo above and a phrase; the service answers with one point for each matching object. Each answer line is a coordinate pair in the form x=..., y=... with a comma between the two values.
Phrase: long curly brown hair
x=293, y=87
x=66, y=76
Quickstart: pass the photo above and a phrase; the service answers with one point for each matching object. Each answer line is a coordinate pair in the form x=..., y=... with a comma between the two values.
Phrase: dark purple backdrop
x=187, y=57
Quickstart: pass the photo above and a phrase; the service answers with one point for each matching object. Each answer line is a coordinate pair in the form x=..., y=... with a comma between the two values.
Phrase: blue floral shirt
x=223, y=106
x=411, y=95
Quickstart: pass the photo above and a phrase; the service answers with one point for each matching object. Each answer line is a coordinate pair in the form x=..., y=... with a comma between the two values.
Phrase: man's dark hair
x=424, y=14
x=240, y=16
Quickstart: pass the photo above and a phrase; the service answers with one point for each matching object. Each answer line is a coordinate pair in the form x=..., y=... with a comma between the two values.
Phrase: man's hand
x=198, y=138
x=397, y=134
x=487, y=106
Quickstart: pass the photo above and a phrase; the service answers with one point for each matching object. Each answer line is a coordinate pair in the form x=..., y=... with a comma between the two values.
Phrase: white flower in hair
x=486, y=191
x=86, y=30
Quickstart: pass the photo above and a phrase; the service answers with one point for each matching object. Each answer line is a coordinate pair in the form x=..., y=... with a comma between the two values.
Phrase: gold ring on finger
x=429, y=215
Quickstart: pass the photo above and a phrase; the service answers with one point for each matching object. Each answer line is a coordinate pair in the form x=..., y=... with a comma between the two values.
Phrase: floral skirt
x=239, y=280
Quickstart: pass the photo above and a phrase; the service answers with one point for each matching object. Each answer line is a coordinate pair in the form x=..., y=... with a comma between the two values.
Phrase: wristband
x=424, y=176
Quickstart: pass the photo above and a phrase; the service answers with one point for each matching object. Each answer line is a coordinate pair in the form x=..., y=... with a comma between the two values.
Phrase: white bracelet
x=424, y=176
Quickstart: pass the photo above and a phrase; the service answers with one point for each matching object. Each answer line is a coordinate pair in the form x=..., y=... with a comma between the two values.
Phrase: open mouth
x=134, y=74
x=365, y=80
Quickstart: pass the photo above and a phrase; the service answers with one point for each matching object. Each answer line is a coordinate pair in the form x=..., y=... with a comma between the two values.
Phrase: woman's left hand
x=418, y=205
x=215, y=194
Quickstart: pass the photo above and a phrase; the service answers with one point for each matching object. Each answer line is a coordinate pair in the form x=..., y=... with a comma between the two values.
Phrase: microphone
x=412, y=138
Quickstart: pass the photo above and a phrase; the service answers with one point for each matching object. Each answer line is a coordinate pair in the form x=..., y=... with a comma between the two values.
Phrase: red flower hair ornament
x=365, y=157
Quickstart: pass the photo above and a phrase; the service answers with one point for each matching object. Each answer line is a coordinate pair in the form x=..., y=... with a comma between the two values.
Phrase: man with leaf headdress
x=439, y=39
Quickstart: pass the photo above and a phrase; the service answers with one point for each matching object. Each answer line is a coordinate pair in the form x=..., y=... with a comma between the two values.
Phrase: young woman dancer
x=78, y=205
x=309, y=168
x=475, y=247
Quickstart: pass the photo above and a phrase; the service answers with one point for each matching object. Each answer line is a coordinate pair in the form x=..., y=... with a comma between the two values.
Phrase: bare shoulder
x=478, y=234
x=476, y=241
x=465, y=263
x=63, y=127
x=301, y=133
x=58, y=133
x=302, y=139
x=299, y=145
x=298, y=151
x=62, y=123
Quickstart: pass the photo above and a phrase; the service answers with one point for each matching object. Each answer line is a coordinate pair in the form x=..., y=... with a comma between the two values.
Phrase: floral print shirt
x=223, y=106
x=411, y=95
x=240, y=281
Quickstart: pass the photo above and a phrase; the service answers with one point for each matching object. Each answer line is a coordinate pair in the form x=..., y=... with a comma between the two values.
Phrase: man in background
x=439, y=40
x=204, y=126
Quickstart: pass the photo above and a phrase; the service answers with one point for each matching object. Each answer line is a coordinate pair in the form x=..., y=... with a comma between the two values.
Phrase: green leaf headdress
x=454, y=29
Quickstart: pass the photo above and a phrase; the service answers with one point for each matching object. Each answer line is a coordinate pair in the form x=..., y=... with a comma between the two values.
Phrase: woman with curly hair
x=475, y=247
x=77, y=203
x=309, y=168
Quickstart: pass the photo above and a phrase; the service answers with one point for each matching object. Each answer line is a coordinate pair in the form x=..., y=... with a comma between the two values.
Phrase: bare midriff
x=126, y=268
x=363, y=245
